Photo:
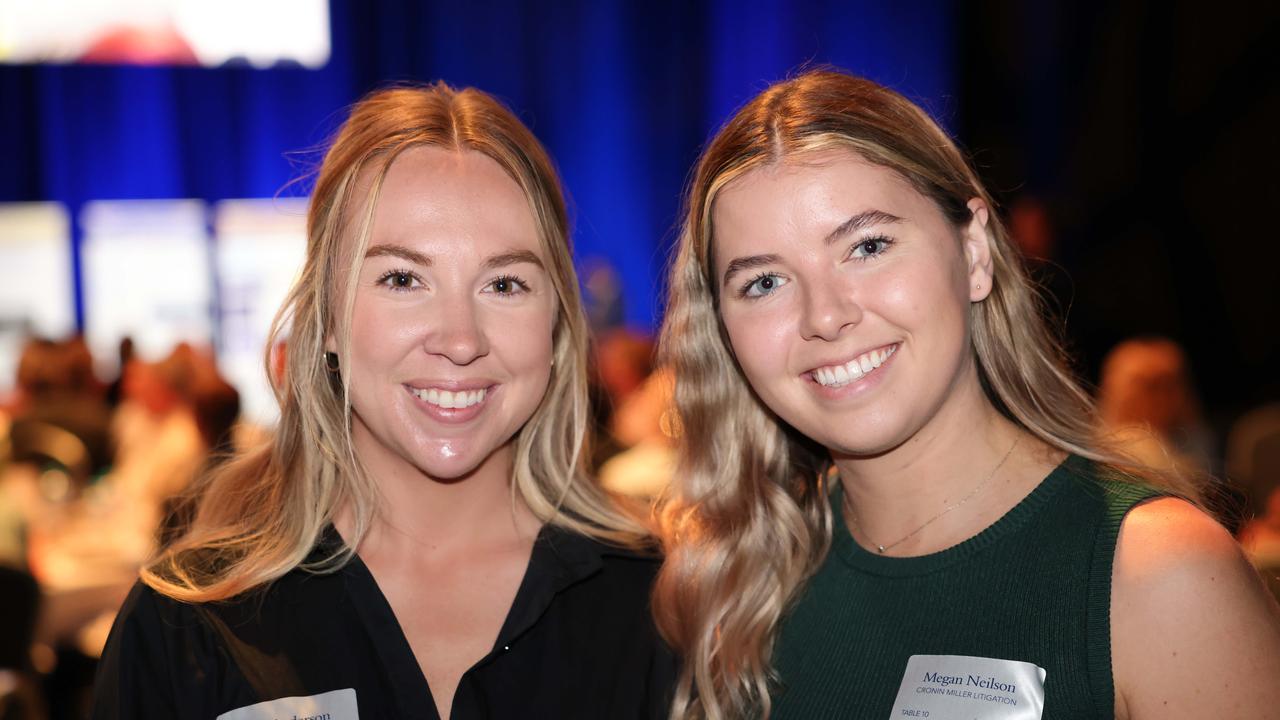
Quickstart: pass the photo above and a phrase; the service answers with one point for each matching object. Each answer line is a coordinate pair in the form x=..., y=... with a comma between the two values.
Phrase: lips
x=841, y=374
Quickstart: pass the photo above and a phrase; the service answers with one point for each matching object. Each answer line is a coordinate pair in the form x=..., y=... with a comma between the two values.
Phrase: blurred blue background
x=622, y=93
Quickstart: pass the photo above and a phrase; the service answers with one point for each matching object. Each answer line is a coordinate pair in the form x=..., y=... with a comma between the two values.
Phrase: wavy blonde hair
x=260, y=515
x=748, y=521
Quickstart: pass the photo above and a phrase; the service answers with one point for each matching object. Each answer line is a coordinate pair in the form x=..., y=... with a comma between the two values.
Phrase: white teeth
x=838, y=375
x=449, y=399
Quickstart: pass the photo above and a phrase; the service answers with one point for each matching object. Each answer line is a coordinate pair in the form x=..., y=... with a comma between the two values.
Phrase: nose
x=828, y=309
x=459, y=333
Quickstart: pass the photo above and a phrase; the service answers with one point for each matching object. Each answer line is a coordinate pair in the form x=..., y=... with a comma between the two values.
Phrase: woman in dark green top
x=891, y=500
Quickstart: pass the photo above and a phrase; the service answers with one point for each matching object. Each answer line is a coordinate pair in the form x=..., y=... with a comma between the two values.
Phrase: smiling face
x=845, y=294
x=451, y=331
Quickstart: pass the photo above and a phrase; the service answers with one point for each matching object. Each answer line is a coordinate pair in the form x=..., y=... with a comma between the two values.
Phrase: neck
x=951, y=479
x=424, y=517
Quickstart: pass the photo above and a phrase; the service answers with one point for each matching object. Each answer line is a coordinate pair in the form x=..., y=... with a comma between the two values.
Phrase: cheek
x=526, y=339
x=923, y=295
x=380, y=334
x=907, y=300
x=759, y=336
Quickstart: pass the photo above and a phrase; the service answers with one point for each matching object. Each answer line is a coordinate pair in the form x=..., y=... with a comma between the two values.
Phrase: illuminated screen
x=147, y=275
x=260, y=248
x=165, y=32
x=36, y=297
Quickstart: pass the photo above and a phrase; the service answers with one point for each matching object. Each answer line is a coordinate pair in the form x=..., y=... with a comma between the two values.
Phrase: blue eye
x=762, y=284
x=869, y=248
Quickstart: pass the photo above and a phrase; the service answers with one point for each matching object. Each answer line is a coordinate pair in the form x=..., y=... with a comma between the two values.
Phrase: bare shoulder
x=1194, y=632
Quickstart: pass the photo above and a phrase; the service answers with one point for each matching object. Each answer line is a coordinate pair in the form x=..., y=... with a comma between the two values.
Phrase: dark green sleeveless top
x=1035, y=587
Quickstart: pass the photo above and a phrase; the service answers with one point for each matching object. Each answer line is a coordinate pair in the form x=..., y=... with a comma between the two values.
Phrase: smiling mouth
x=449, y=399
x=834, y=376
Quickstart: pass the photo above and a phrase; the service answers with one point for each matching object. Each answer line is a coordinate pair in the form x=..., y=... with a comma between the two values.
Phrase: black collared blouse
x=578, y=642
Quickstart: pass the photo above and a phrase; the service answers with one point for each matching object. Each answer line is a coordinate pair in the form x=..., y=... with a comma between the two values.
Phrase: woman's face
x=846, y=294
x=451, y=334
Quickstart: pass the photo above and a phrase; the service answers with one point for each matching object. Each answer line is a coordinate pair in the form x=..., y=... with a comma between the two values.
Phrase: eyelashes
x=406, y=281
x=399, y=280
x=508, y=285
x=881, y=243
x=761, y=285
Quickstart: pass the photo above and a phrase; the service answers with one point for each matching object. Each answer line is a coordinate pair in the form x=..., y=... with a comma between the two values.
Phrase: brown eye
x=507, y=285
x=399, y=280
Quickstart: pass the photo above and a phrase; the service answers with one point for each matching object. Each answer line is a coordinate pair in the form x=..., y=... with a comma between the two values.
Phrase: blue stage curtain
x=623, y=93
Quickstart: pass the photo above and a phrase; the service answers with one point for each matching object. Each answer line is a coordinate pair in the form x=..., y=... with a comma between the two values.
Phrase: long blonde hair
x=260, y=515
x=748, y=521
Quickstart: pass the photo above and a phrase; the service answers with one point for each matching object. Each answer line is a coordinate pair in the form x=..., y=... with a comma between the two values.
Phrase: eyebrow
x=737, y=265
x=493, y=262
x=513, y=257
x=399, y=251
x=864, y=219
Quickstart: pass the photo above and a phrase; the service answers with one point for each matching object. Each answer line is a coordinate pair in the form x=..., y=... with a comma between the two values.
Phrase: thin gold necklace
x=882, y=549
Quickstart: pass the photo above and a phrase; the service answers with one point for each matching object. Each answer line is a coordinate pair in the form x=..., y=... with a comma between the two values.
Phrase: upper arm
x=1194, y=632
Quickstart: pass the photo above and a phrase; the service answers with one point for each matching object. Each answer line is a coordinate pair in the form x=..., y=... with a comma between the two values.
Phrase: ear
x=976, y=239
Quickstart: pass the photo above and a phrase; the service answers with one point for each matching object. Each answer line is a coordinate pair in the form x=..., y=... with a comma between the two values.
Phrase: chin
x=454, y=460
x=869, y=441
x=447, y=468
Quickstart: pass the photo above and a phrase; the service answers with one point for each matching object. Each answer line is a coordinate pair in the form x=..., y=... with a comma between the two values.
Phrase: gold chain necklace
x=882, y=549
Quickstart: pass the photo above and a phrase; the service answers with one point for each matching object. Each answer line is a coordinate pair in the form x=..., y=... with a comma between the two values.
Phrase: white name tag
x=958, y=687
x=335, y=705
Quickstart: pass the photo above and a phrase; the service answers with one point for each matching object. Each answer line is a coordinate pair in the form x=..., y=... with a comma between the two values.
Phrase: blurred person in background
x=1260, y=538
x=621, y=361
x=1253, y=457
x=602, y=297
x=624, y=359
x=56, y=387
x=159, y=444
x=419, y=538
x=643, y=425
x=1148, y=407
x=57, y=439
x=888, y=477
x=215, y=405
x=114, y=394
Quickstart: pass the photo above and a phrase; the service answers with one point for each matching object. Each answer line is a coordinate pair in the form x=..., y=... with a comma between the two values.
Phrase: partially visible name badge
x=958, y=687
x=334, y=705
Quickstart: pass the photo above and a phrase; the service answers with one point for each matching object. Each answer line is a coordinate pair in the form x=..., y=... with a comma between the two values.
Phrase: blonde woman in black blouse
x=419, y=539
